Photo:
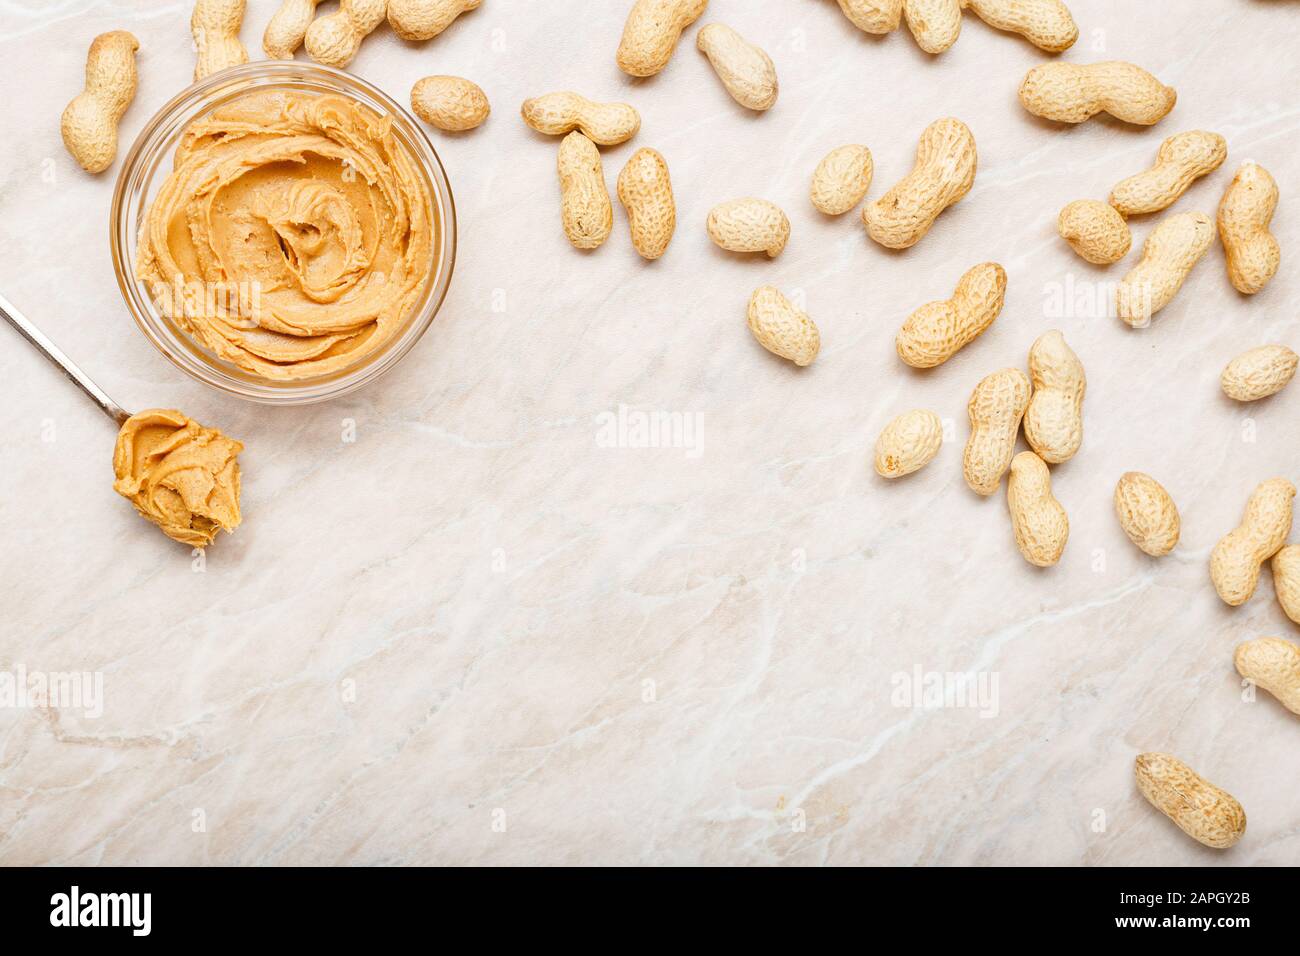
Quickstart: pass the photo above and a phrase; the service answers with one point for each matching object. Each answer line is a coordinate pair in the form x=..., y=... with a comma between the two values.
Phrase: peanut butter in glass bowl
x=301, y=241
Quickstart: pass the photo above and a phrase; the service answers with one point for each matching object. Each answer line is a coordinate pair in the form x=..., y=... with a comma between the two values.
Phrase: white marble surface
x=476, y=634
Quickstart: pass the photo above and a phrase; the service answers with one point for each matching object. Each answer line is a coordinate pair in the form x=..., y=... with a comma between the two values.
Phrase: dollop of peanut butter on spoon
x=180, y=475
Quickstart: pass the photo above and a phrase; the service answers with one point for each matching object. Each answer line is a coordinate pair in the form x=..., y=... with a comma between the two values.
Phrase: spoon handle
x=52, y=352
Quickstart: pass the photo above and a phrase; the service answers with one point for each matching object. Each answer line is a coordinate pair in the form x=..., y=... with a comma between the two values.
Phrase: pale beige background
x=458, y=618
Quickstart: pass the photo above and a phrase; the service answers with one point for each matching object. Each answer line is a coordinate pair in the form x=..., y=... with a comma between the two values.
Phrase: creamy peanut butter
x=293, y=237
x=181, y=476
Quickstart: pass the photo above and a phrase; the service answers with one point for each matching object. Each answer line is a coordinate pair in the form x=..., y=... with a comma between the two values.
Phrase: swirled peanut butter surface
x=293, y=237
x=181, y=476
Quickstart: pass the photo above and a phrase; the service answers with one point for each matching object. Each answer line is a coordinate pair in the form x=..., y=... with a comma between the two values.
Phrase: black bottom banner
x=935, y=906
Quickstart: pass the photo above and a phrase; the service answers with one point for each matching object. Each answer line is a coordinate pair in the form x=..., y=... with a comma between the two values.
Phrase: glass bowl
x=149, y=163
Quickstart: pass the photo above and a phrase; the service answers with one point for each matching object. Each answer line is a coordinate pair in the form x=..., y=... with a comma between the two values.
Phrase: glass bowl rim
x=144, y=164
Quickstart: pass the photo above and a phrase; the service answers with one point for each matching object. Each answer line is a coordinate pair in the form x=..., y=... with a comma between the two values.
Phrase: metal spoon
x=52, y=352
